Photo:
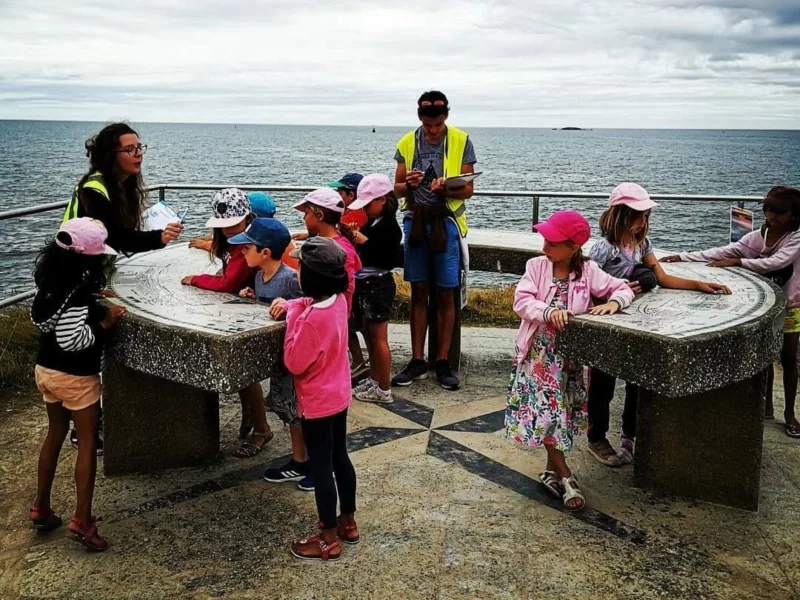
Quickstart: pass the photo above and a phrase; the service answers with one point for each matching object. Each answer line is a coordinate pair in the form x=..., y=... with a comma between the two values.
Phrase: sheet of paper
x=158, y=216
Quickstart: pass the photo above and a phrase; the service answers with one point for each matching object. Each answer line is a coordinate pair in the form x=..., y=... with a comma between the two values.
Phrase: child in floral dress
x=546, y=403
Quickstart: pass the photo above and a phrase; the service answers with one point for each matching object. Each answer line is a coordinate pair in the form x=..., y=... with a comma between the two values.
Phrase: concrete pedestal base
x=153, y=423
x=705, y=446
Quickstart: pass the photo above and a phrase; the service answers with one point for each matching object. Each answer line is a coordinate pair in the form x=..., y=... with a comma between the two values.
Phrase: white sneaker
x=374, y=394
x=364, y=386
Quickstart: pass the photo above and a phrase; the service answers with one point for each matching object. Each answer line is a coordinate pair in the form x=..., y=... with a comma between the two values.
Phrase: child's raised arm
x=785, y=256
x=668, y=281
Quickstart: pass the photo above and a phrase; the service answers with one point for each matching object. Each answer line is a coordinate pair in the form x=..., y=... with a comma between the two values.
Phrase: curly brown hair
x=129, y=196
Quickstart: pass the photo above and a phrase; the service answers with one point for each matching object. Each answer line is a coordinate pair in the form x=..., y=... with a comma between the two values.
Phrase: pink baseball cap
x=371, y=187
x=633, y=195
x=324, y=197
x=565, y=225
x=84, y=236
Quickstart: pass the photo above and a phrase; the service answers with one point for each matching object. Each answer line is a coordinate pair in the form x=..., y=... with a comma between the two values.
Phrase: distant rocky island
x=571, y=129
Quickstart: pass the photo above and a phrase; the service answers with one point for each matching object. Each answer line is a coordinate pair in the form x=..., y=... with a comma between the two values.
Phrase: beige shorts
x=74, y=392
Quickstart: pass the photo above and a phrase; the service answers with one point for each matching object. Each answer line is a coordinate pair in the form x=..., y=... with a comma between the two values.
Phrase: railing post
x=161, y=191
x=741, y=203
x=535, y=210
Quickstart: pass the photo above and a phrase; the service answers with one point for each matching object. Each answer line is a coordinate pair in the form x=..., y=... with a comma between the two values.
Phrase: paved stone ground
x=448, y=509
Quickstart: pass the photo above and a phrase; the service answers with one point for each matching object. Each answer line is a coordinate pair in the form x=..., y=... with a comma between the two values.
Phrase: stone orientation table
x=701, y=362
x=175, y=351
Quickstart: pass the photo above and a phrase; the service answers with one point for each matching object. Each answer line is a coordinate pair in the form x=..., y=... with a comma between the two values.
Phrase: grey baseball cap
x=322, y=255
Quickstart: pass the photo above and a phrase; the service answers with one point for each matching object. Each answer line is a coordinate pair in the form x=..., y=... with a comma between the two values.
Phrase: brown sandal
x=249, y=449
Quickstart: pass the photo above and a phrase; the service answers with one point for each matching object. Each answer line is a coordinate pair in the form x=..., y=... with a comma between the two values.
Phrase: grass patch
x=18, y=345
x=486, y=307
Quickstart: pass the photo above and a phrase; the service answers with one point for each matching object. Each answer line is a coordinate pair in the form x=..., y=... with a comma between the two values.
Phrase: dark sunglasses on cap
x=426, y=103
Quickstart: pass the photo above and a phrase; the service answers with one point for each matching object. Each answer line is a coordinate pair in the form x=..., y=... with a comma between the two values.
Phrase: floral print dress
x=546, y=402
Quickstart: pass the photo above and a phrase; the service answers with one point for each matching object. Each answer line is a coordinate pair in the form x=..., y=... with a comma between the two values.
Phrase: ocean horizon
x=42, y=160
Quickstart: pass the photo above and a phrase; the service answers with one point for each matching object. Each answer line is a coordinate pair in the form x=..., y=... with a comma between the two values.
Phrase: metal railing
x=534, y=195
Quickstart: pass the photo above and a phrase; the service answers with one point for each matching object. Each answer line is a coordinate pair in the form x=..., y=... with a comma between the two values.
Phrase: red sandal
x=348, y=533
x=88, y=537
x=316, y=548
x=44, y=520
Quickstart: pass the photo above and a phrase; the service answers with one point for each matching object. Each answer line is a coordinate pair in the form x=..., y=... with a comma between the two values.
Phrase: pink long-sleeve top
x=315, y=352
x=536, y=290
x=352, y=265
x=762, y=259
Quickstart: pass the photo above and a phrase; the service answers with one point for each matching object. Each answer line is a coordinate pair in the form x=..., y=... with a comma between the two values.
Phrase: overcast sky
x=524, y=63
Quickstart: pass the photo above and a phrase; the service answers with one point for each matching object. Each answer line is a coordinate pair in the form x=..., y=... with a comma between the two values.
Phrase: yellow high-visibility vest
x=94, y=182
x=455, y=144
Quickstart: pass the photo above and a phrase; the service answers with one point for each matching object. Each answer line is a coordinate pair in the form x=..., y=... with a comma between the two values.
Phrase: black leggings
x=601, y=392
x=326, y=442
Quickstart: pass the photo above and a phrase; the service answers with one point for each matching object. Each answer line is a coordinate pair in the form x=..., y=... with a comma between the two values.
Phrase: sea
x=41, y=161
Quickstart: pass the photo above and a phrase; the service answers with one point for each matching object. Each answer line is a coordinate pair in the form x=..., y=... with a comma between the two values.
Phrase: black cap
x=322, y=255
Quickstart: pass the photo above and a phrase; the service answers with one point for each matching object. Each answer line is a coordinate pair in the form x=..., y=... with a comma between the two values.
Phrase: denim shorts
x=418, y=257
x=373, y=298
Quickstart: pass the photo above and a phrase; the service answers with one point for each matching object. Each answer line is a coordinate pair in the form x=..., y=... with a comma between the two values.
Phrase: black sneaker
x=291, y=471
x=446, y=377
x=414, y=370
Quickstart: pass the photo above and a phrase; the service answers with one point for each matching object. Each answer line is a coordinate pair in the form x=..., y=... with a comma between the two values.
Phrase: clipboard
x=452, y=183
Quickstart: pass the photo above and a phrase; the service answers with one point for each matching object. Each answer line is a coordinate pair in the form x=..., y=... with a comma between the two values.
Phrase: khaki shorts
x=791, y=323
x=74, y=392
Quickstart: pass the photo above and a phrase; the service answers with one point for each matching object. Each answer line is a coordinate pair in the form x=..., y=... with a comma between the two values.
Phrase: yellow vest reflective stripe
x=455, y=144
x=94, y=182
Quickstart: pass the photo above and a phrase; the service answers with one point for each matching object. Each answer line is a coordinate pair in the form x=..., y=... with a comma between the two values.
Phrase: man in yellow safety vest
x=434, y=223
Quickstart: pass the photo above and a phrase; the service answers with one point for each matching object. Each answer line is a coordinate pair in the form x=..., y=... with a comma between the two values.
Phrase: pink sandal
x=88, y=537
x=44, y=520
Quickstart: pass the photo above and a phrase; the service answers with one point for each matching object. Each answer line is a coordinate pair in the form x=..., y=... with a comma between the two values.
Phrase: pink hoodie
x=315, y=352
x=536, y=289
x=758, y=257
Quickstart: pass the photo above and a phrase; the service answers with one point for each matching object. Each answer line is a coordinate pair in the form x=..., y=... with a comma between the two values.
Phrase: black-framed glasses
x=133, y=150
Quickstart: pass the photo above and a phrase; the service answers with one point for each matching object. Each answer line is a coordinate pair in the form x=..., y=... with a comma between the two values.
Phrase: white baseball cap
x=371, y=187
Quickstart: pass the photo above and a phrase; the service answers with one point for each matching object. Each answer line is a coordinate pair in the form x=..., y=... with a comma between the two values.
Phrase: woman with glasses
x=113, y=191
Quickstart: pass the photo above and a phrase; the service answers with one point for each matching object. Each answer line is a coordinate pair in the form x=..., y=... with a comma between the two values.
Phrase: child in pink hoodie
x=546, y=404
x=315, y=352
x=774, y=252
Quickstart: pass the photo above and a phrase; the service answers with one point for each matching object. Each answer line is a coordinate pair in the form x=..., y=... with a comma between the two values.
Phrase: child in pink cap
x=546, y=404
x=73, y=328
x=625, y=252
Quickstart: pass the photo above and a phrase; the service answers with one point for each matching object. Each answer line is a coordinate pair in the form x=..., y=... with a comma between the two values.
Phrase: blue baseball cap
x=265, y=233
x=262, y=204
x=349, y=182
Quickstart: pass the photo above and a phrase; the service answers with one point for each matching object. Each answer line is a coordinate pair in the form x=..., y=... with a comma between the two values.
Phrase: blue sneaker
x=306, y=484
x=416, y=369
x=291, y=471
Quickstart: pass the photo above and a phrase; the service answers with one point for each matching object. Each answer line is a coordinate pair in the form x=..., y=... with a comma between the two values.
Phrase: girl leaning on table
x=546, y=403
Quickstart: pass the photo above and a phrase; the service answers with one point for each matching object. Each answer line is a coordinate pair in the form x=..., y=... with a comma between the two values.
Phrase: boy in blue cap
x=265, y=241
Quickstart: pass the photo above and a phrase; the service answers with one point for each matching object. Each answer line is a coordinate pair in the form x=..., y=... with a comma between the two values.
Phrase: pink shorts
x=74, y=392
